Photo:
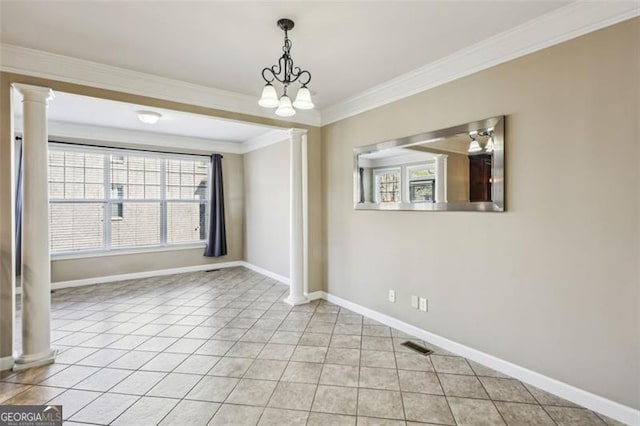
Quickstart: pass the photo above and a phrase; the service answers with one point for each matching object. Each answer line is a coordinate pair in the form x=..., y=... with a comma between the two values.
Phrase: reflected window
x=387, y=185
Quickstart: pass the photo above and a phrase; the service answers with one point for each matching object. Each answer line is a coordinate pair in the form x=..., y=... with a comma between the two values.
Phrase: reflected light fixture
x=286, y=73
x=474, y=146
x=149, y=117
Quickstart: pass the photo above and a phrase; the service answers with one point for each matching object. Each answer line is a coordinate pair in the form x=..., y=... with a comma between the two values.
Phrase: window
x=421, y=183
x=103, y=199
x=387, y=185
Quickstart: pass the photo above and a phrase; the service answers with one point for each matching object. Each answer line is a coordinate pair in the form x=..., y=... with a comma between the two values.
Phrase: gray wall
x=266, y=180
x=552, y=284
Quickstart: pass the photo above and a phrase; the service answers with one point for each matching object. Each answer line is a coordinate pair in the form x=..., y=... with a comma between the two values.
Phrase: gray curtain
x=216, y=238
x=19, y=207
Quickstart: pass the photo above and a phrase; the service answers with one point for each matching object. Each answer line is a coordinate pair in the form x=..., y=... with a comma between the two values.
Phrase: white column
x=36, y=264
x=296, y=220
x=441, y=178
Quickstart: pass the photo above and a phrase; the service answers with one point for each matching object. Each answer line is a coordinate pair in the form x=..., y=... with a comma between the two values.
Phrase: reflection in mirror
x=459, y=168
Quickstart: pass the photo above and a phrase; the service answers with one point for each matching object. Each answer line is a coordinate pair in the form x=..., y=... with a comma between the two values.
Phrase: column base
x=296, y=301
x=6, y=363
x=29, y=361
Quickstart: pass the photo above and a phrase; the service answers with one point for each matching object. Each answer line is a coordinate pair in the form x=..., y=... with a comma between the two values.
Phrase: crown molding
x=565, y=23
x=36, y=63
x=76, y=132
x=264, y=140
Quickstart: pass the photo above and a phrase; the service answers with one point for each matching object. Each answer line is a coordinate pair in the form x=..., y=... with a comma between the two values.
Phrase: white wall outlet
x=423, y=304
x=414, y=302
x=392, y=296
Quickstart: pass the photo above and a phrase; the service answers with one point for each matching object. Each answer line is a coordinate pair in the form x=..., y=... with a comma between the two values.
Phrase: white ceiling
x=71, y=108
x=347, y=46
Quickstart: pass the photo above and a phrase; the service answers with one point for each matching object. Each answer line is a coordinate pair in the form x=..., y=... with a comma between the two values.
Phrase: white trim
x=571, y=393
x=42, y=64
x=123, y=252
x=315, y=295
x=6, y=363
x=258, y=269
x=565, y=23
x=264, y=140
x=570, y=21
x=138, y=275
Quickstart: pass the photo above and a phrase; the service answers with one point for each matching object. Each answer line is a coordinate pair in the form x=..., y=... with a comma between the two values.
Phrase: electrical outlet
x=392, y=296
x=423, y=304
x=414, y=302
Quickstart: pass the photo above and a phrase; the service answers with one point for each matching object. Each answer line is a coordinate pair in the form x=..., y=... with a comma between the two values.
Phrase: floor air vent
x=417, y=348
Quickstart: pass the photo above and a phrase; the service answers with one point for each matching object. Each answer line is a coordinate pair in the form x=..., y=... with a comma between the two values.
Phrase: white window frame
x=376, y=182
x=107, y=201
x=406, y=193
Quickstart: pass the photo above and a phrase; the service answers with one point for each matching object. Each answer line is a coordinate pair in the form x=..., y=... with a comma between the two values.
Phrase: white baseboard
x=571, y=393
x=277, y=277
x=138, y=275
x=315, y=295
x=6, y=363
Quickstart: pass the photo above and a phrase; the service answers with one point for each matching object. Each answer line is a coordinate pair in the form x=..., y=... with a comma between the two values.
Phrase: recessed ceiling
x=348, y=46
x=71, y=108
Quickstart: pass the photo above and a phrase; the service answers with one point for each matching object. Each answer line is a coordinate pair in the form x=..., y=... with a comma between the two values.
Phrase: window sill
x=124, y=252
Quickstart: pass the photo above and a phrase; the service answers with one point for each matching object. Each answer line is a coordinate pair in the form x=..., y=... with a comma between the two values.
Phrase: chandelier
x=286, y=73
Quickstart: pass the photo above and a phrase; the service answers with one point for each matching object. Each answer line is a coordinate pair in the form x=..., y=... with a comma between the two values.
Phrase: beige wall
x=100, y=266
x=233, y=178
x=552, y=284
x=266, y=183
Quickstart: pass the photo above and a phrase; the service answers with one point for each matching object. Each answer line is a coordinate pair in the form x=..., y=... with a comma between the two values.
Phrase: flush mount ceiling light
x=286, y=73
x=149, y=117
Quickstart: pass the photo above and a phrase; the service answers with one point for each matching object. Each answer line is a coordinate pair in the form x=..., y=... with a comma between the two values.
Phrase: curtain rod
x=128, y=149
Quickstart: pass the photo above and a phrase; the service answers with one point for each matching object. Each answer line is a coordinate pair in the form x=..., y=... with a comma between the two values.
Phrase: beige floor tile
x=377, y=343
x=138, y=382
x=340, y=375
x=212, y=389
x=379, y=378
x=147, y=411
x=451, y=364
x=69, y=376
x=133, y=360
x=574, y=416
x=280, y=417
x=325, y=419
x=427, y=408
x=379, y=359
x=104, y=409
x=372, y=421
x=294, y=396
x=510, y=390
x=245, y=350
x=380, y=403
x=174, y=385
x=419, y=382
x=236, y=415
x=35, y=395
x=197, y=364
x=252, y=392
x=545, y=398
x=302, y=372
x=413, y=361
x=474, y=412
x=73, y=400
x=309, y=354
x=523, y=414
x=376, y=330
x=214, y=347
x=277, y=352
x=186, y=346
x=343, y=356
x=462, y=386
x=190, y=413
x=345, y=341
x=103, y=380
x=164, y=362
x=231, y=367
x=335, y=400
x=481, y=370
x=284, y=337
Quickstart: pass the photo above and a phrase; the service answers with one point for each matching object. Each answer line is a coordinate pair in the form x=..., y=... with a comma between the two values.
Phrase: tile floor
x=221, y=348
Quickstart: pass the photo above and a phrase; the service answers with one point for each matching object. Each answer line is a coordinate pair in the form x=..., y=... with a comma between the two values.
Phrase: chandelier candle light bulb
x=286, y=73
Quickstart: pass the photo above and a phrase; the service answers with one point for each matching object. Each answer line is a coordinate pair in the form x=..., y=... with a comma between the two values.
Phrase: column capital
x=34, y=93
x=296, y=133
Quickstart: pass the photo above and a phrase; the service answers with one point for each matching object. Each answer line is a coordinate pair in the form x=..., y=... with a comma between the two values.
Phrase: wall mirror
x=460, y=168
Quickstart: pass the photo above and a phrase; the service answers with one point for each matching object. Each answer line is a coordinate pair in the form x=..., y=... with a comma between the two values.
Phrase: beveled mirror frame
x=497, y=169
